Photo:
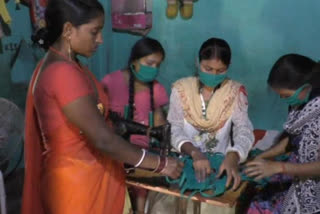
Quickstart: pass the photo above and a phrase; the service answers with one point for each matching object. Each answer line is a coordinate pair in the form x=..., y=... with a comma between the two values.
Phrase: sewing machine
x=155, y=182
x=161, y=134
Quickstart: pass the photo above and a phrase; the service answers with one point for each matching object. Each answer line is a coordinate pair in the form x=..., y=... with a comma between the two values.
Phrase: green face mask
x=211, y=80
x=146, y=73
x=294, y=100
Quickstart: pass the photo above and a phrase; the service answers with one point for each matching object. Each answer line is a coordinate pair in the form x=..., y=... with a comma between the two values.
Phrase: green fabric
x=294, y=99
x=257, y=152
x=154, y=143
x=151, y=119
x=211, y=80
x=146, y=73
x=126, y=112
x=188, y=181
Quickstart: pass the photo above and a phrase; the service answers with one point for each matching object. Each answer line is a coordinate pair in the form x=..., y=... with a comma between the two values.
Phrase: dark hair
x=215, y=48
x=58, y=12
x=140, y=49
x=145, y=47
x=291, y=71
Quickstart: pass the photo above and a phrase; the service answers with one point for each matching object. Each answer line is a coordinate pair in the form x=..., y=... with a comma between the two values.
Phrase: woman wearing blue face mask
x=295, y=183
x=208, y=114
x=137, y=96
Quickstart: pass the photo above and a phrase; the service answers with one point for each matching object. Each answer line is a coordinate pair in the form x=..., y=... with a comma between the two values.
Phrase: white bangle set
x=142, y=158
x=165, y=165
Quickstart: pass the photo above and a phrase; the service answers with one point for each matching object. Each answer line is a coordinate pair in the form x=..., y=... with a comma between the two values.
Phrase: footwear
x=172, y=9
x=186, y=11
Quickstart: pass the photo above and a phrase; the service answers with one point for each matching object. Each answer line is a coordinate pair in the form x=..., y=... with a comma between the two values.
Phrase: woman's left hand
x=261, y=168
x=230, y=165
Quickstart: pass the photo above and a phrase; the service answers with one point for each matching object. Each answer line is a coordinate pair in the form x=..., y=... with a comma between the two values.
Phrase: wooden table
x=228, y=199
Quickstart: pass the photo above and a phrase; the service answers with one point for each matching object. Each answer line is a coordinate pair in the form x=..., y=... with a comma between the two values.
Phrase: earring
x=69, y=49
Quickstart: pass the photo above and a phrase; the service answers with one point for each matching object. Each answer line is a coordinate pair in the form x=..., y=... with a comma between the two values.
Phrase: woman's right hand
x=173, y=168
x=201, y=165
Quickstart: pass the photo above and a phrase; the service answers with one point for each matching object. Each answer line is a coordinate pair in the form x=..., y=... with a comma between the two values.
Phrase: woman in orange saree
x=73, y=158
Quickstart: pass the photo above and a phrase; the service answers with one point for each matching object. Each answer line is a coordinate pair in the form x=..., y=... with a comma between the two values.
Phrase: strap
x=203, y=104
x=231, y=134
x=37, y=114
x=203, y=107
x=36, y=80
x=212, y=187
x=39, y=71
x=170, y=181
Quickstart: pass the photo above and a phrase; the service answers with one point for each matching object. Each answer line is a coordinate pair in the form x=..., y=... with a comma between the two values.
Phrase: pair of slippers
x=186, y=8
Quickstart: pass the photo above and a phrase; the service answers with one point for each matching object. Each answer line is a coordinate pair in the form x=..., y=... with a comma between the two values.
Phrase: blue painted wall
x=258, y=32
x=20, y=29
x=13, y=85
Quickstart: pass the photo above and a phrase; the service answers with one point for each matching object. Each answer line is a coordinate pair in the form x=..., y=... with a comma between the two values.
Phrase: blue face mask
x=294, y=100
x=211, y=80
x=146, y=73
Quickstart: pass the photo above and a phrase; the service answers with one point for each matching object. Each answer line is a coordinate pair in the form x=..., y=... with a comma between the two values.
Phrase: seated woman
x=206, y=109
x=137, y=96
x=296, y=79
x=208, y=113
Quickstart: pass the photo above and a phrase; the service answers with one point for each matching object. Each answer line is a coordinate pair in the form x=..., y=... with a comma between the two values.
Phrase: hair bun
x=40, y=37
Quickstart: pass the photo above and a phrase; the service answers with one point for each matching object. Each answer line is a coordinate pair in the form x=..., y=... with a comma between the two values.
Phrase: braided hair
x=131, y=95
x=143, y=47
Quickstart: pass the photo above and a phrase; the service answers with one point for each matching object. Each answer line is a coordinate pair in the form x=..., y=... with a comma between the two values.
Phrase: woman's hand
x=261, y=168
x=201, y=165
x=173, y=168
x=230, y=166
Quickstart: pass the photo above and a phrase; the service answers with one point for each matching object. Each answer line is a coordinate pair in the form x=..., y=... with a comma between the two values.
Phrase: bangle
x=142, y=158
x=157, y=165
x=163, y=163
x=283, y=168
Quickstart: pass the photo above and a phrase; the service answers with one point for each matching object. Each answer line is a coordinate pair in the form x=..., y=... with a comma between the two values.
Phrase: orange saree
x=64, y=174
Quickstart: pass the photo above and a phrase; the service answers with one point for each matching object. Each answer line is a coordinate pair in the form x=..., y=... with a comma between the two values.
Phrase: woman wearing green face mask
x=137, y=96
x=208, y=114
x=296, y=79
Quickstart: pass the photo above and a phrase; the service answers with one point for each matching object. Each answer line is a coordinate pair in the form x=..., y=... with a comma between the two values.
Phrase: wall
x=258, y=32
x=13, y=85
x=20, y=29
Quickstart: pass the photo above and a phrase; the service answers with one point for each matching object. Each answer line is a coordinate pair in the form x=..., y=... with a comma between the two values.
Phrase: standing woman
x=295, y=184
x=136, y=95
x=73, y=159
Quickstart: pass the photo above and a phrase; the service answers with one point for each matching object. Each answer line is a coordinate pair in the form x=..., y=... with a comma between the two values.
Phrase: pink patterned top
x=118, y=93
